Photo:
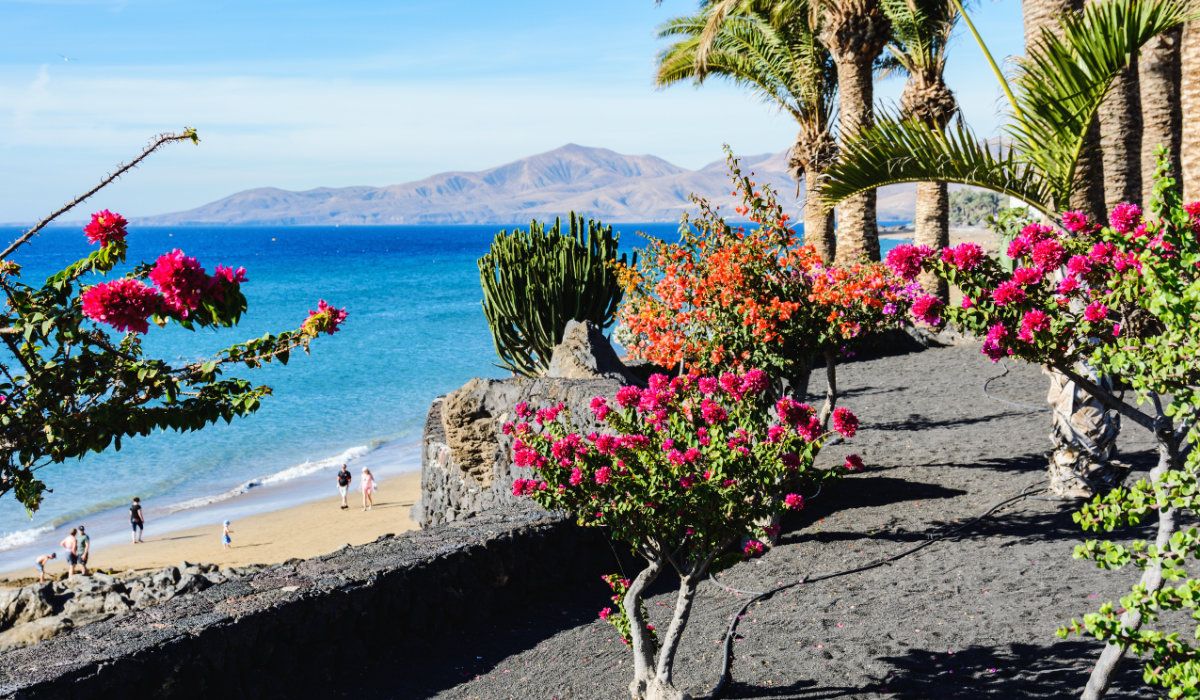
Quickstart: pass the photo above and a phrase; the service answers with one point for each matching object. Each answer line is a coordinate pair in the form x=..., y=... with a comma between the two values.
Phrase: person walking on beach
x=71, y=544
x=343, y=479
x=41, y=565
x=368, y=489
x=83, y=544
x=136, y=520
x=226, y=540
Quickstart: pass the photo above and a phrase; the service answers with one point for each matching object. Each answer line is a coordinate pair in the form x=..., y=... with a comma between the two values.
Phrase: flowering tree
x=726, y=298
x=75, y=378
x=1125, y=298
x=692, y=465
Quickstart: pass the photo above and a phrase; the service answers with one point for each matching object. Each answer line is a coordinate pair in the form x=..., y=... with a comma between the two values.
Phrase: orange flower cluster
x=725, y=298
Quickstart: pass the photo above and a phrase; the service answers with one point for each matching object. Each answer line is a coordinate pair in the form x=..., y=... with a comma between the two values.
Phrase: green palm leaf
x=1059, y=89
x=1063, y=81
x=897, y=151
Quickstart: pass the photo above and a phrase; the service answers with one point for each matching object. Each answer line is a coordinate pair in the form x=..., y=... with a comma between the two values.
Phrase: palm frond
x=1064, y=79
x=895, y=151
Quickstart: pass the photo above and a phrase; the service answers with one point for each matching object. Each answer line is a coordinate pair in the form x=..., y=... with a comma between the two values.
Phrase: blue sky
x=307, y=93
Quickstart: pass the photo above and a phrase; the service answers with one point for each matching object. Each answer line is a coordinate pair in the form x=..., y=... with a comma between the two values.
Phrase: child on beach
x=41, y=565
x=226, y=540
x=368, y=489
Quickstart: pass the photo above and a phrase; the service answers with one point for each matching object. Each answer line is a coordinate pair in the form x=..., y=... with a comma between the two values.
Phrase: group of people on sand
x=368, y=487
x=78, y=546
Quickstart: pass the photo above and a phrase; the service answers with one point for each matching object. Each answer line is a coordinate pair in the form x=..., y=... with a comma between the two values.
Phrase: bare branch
x=188, y=134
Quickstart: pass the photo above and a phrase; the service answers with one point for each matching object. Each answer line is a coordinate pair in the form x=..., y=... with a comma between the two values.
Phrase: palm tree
x=1162, y=116
x=855, y=32
x=776, y=55
x=920, y=32
x=1060, y=86
x=1189, y=56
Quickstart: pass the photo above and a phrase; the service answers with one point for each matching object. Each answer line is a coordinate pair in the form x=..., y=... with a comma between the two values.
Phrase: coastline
x=306, y=530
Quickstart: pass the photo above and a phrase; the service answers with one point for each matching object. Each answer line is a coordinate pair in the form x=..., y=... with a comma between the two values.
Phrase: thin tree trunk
x=932, y=228
x=1084, y=434
x=643, y=645
x=663, y=685
x=857, y=228
x=1162, y=116
x=1189, y=57
x=1152, y=576
x=831, y=390
x=818, y=221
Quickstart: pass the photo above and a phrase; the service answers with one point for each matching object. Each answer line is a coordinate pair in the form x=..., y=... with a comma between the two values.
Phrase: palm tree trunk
x=1121, y=140
x=857, y=229
x=818, y=221
x=932, y=228
x=1189, y=56
x=1162, y=118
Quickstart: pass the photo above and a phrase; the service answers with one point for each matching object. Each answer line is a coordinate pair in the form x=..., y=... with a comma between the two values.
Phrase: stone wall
x=318, y=627
x=465, y=462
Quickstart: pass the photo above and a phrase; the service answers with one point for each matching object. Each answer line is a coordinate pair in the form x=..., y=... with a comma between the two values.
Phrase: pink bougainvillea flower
x=600, y=407
x=628, y=396
x=927, y=308
x=1095, y=312
x=993, y=344
x=793, y=501
x=753, y=548
x=905, y=260
x=327, y=319
x=124, y=304
x=181, y=281
x=1008, y=292
x=603, y=474
x=1075, y=221
x=1047, y=254
x=1033, y=322
x=964, y=256
x=845, y=422
x=1125, y=217
x=105, y=228
x=1028, y=276
x=853, y=463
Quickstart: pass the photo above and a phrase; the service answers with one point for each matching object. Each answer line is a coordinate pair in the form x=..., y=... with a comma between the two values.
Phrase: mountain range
x=596, y=182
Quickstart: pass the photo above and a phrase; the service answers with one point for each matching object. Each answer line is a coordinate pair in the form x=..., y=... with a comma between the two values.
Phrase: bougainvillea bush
x=725, y=297
x=689, y=467
x=74, y=378
x=1125, y=298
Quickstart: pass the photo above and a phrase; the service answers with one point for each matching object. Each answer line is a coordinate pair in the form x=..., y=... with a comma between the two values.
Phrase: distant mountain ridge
x=596, y=182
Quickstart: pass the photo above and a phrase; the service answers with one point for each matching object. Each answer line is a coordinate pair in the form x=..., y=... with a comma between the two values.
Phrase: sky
x=309, y=93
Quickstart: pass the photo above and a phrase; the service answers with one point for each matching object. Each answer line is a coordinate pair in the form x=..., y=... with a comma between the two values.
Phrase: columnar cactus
x=535, y=281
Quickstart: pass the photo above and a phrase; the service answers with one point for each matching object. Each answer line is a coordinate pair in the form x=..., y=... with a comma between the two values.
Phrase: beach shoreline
x=300, y=531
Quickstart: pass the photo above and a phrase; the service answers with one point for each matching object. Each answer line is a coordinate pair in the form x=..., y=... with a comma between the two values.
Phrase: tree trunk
x=1088, y=192
x=932, y=228
x=857, y=228
x=818, y=221
x=1121, y=139
x=662, y=686
x=1162, y=117
x=1084, y=434
x=1189, y=58
x=1120, y=118
x=640, y=640
x=1152, y=575
x=831, y=390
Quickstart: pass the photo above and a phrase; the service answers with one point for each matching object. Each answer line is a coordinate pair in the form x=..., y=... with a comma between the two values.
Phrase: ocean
x=415, y=331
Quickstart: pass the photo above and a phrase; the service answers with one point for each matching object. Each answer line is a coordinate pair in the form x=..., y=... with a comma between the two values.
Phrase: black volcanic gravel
x=970, y=617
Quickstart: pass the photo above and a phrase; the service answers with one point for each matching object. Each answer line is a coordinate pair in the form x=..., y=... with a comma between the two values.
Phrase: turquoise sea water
x=415, y=331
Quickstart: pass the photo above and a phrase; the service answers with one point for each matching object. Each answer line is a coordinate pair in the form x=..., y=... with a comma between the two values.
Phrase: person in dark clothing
x=137, y=520
x=343, y=481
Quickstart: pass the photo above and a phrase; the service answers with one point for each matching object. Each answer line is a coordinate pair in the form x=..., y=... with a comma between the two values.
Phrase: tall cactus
x=536, y=281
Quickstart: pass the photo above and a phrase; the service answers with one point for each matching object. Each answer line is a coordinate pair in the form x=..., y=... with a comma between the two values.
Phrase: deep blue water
x=415, y=330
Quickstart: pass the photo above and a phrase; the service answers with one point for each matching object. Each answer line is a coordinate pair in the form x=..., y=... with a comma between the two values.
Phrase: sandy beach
x=301, y=531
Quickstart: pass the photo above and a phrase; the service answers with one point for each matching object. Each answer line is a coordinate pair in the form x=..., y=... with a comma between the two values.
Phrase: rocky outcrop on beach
x=323, y=627
x=38, y=611
x=466, y=465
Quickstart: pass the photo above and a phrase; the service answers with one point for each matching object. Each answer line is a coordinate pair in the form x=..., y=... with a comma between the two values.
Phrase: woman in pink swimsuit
x=368, y=488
